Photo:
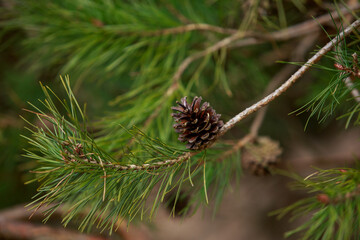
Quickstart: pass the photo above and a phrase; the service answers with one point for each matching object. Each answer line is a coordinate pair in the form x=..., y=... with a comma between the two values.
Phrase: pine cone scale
x=195, y=121
x=180, y=109
x=215, y=130
x=196, y=130
x=193, y=139
x=205, y=136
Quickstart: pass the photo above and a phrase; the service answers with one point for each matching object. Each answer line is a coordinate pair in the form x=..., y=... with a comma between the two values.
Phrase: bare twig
x=176, y=13
x=221, y=44
x=282, y=75
x=14, y=225
x=188, y=28
x=296, y=30
x=241, y=143
x=174, y=86
x=265, y=101
x=297, y=56
x=354, y=91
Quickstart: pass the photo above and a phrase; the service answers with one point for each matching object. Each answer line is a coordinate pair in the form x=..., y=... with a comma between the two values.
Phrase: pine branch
x=186, y=62
x=178, y=14
x=260, y=104
x=187, y=28
x=325, y=199
x=282, y=75
x=332, y=209
x=335, y=91
x=284, y=34
x=72, y=164
x=236, y=147
x=354, y=91
x=296, y=30
x=349, y=80
x=68, y=157
x=354, y=72
x=265, y=101
x=251, y=38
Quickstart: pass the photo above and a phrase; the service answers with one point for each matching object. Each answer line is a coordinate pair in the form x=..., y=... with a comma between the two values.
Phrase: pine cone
x=197, y=125
x=261, y=156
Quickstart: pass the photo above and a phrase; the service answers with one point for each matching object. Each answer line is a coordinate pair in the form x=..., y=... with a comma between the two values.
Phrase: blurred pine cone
x=197, y=125
x=262, y=155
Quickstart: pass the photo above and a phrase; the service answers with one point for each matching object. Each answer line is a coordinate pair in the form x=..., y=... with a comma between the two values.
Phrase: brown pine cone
x=262, y=155
x=197, y=125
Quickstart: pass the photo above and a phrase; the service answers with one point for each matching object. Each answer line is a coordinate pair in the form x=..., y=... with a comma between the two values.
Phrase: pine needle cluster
x=74, y=170
x=336, y=94
x=334, y=206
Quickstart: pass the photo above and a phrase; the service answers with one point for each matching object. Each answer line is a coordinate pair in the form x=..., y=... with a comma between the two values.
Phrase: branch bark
x=188, y=28
x=296, y=30
x=353, y=91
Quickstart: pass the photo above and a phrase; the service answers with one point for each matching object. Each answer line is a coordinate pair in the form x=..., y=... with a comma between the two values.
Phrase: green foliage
x=334, y=92
x=334, y=210
x=73, y=170
x=325, y=103
x=112, y=42
x=62, y=40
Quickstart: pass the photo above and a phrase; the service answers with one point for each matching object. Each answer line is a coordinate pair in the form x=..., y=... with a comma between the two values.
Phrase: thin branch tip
x=300, y=72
